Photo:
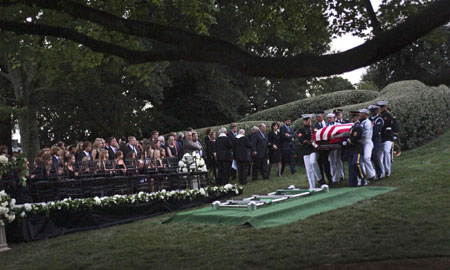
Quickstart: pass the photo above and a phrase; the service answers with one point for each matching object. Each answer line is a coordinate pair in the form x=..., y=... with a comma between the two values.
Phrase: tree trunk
x=5, y=131
x=29, y=130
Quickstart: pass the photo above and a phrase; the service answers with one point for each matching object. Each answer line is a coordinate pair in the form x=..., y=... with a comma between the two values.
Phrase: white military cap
x=364, y=111
x=373, y=107
x=331, y=115
x=306, y=116
x=382, y=103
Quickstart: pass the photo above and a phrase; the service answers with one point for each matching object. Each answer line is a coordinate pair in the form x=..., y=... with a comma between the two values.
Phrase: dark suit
x=83, y=154
x=242, y=154
x=224, y=158
x=211, y=163
x=233, y=138
x=287, y=148
x=111, y=153
x=259, y=145
x=56, y=160
x=128, y=149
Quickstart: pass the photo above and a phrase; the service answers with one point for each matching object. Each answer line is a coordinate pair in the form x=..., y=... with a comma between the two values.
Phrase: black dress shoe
x=321, y=182
x=341, y=180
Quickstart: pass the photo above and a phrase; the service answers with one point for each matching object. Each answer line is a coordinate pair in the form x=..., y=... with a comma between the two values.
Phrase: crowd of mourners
x=231, y=153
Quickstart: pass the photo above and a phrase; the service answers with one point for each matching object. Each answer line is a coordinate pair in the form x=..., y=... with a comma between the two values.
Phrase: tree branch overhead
x=193, y=47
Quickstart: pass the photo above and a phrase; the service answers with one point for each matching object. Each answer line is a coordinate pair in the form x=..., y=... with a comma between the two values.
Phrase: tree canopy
x=190, y=40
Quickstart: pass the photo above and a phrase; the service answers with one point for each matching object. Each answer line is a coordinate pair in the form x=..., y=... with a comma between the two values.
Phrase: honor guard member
x=340, y=116
x=377, y=153
x=387, y=137
x=324, y=164
x=355, y=148
x=340, y=154
x=309, y=155
x=367, y=128
x=333, y=155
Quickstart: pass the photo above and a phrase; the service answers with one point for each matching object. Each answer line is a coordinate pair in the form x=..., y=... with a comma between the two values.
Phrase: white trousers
x=366, y=162
x=332, y=158
x=339, y=164
x=312, y=169
x=387, y=157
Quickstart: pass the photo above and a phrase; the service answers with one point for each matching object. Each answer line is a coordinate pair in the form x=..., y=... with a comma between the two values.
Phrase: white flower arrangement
x=191, y=163
x=7, y=214
x=69, y=204
x=3, y=160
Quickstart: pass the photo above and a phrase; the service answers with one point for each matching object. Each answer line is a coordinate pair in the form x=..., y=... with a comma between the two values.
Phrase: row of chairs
x=109, y=168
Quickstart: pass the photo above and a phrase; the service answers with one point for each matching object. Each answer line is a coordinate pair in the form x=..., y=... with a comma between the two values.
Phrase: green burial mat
x=282, y=212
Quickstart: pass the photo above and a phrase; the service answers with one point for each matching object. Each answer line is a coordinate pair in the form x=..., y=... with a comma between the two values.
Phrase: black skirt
x=274, y=155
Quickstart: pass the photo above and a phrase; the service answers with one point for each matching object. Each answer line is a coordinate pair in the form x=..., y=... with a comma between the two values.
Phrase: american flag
x=334, y=134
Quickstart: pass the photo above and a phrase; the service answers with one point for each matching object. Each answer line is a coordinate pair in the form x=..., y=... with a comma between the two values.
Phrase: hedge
x=423, y=112
x=296, y=108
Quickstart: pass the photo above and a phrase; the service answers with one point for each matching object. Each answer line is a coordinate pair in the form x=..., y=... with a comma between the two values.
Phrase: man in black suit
x=87, y=147
x=287, y=137
x=224, y=156
x=259, y=148
x=122, y=144
x=232, y=135
x=112, y=148
x=242, y=154
x=131, y=146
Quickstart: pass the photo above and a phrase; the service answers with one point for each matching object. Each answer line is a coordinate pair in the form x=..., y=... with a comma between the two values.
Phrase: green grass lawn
x=411, y=222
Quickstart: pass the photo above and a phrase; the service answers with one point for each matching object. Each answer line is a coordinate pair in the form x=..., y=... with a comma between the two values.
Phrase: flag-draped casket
x=333, y=134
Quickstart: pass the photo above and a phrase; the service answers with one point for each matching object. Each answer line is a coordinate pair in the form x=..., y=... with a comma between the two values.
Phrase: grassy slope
x=412, y=221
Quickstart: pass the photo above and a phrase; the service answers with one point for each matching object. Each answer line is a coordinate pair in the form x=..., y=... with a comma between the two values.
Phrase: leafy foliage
x=309, y=105
x=427, y=60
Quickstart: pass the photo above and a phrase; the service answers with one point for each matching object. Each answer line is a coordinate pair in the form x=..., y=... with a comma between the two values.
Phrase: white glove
x=315, y=145
x=344, y=143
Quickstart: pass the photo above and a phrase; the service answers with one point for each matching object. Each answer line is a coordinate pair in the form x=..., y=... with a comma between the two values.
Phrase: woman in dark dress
x=210, y=142
x=274, y=147
x=70, y=168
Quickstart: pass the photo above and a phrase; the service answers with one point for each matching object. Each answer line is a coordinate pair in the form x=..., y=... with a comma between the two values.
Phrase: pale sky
x=349, y=41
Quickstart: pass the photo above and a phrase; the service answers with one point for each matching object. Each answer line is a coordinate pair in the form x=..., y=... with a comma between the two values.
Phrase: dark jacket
x=82, y=155
x=224, y=147
x=305, y=139
x=259, y=144
x=355, y=145
x=287, y=141
x=242, y=149
x=210, y=148
x=111, y=153
x=386, y=132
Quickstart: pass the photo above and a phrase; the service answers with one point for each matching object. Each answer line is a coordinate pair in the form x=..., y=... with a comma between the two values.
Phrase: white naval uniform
x=366, y=139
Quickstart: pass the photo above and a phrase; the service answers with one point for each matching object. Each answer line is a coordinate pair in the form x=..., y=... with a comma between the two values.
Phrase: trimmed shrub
x=423, y=112
x=309, y=105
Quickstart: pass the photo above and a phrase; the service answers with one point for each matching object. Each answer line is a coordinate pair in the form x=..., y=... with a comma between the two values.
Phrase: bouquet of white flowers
x=192, y=163
x=7, y=204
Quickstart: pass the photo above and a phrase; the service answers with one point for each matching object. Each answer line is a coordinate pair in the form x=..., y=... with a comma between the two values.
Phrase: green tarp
x=282, y=212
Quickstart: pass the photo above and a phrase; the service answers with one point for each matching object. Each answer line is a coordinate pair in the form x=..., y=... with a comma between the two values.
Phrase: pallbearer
x=367, y=129
x=387, y=137
x=377, y=153
x=324, y=164
x=355, y=148
x=333, y=155
x=340, y=116
x=309, y=155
